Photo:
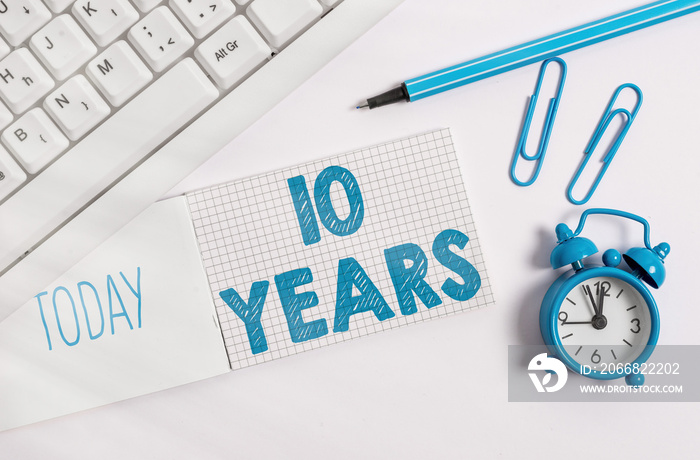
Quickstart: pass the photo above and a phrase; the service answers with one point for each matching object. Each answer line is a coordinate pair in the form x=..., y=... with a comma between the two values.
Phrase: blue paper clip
x=546, y=128
x=608, y=116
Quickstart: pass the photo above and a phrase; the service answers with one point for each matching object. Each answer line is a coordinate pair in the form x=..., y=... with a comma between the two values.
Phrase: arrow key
x=160, y=38
x=202, y=16
x=21, y=18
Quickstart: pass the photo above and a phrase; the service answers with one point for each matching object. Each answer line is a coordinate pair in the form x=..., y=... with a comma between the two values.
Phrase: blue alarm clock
x=602, y=321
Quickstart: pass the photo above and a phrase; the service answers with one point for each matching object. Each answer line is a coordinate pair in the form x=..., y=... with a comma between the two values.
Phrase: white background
x=439, y=389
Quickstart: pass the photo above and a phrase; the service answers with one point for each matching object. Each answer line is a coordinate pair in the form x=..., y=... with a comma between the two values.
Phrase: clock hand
x=576, y=322
x=587, y=290
x=601, y=297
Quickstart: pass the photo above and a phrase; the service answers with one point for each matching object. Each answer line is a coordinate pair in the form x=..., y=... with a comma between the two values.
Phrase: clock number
x=635, y=321
x=595, y=357
x=563, y=316
x=604, y=286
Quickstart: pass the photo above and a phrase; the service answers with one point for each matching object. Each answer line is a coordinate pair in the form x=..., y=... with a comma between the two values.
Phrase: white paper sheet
x=157, y=328
x=389, y=240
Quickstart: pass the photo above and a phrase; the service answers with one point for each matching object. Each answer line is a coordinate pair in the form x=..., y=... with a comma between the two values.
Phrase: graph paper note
x=340, y=248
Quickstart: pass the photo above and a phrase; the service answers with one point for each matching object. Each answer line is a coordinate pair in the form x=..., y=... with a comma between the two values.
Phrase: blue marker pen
x=534, y=51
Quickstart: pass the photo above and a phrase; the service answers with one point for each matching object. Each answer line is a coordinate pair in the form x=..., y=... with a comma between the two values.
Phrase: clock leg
x=635, y=380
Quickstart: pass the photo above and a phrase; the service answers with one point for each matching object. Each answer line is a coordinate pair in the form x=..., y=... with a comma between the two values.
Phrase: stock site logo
x=542, y=362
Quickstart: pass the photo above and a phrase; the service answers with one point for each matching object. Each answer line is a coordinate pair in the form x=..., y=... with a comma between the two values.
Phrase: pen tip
x=363, y=105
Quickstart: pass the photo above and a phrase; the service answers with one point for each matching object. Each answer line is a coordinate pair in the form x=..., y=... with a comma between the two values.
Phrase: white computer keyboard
x=68, y=68
x=105, y=105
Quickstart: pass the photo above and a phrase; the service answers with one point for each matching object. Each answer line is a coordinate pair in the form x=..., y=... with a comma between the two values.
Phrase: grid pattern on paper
x=248, y=231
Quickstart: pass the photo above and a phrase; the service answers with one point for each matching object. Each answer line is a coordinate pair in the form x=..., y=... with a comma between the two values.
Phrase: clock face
x=603, y=321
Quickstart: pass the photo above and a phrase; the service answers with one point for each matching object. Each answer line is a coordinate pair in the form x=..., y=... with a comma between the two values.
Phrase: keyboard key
x=34, y=140
x=76, y=107
x=62, y=46
x=23, y=81
x=4, y=48
x=19, y=19
x=105, y=20
x=146, y=5
x=118, y=73
x=11, y=175
x=58, y=5
x=202, y=16
x=160, y=38
x=232, y=52
x=279, y=21
x=6, y=116
x=33, y=216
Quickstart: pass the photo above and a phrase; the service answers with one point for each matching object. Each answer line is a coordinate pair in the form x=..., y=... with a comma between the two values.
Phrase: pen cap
x=395, y=95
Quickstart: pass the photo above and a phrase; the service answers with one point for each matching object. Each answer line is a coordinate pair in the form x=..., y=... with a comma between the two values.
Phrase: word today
x=81, y=309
